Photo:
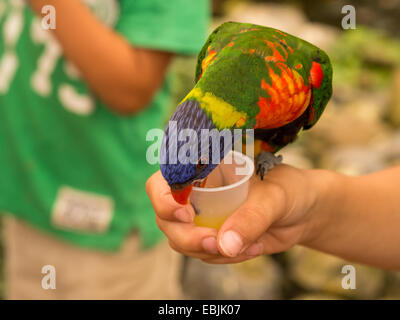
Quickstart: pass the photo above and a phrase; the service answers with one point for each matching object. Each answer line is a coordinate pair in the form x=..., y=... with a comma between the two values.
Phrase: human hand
x=278, y=214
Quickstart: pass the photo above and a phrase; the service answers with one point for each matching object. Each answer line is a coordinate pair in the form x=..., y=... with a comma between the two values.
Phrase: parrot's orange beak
x=182, y=195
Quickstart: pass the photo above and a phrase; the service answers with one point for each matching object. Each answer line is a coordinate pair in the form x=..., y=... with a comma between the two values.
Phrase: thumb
x=251, y=220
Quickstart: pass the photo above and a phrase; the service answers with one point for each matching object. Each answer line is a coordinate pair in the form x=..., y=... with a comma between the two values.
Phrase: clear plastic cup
x=226, y=189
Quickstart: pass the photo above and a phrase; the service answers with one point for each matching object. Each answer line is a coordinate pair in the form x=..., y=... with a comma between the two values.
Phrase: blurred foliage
x=220, y=7
x=182, y=73
x=381, y=14
x=364, y=57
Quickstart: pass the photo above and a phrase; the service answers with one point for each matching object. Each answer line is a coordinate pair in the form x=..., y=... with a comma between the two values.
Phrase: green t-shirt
x=68, y=165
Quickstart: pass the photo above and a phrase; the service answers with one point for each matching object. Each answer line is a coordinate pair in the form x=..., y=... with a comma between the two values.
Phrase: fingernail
x=231, y=243
x=254, y=250
x=210, y=245
x=183, y=215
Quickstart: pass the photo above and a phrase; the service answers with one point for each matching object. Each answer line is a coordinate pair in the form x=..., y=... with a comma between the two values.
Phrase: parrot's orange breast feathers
x=288, y=98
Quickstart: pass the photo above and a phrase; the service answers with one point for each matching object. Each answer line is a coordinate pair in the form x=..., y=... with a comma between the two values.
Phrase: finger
x=264, y=206
x=274, y=241
x=188, y=237
x=253, y=251
x=162, y=201
x=224, y=260
x=192, y=254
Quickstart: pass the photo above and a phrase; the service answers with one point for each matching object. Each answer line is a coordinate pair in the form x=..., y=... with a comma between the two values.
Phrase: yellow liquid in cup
x=209, y=222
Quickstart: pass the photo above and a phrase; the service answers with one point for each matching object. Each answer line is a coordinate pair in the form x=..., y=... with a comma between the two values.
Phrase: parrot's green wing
x=204, y=51
x=217, y=40
x=262, y=71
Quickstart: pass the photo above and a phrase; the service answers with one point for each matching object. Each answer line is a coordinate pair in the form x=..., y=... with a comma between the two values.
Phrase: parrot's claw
x=266, y=161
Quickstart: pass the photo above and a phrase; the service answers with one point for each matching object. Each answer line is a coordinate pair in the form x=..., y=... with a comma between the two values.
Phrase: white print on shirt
x=78, y=103
x=71, y=100
x=80, y=210
x=41, y=78
x=9, y=61
x=69, y=97
x=71, y=71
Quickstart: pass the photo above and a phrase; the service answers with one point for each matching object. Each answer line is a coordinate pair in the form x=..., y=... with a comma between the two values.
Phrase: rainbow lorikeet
x=247, y=77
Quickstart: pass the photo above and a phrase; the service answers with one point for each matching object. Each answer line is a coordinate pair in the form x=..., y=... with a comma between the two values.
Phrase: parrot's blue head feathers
x=185, y=155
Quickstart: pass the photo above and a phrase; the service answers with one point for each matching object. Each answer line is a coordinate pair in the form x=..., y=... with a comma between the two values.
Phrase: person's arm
x=125, y=78
x=359, y=219
x=356, y=218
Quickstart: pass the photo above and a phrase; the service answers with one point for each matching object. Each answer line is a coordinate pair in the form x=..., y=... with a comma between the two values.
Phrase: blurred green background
x=358, y=133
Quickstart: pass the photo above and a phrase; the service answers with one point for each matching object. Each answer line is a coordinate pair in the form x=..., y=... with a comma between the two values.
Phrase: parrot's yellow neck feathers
x=223, y=114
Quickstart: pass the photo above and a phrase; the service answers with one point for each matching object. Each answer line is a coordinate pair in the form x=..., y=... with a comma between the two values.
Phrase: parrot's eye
x=201, y=164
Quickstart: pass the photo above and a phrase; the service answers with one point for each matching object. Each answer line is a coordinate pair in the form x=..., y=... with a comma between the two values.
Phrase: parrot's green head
x=321, y=81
